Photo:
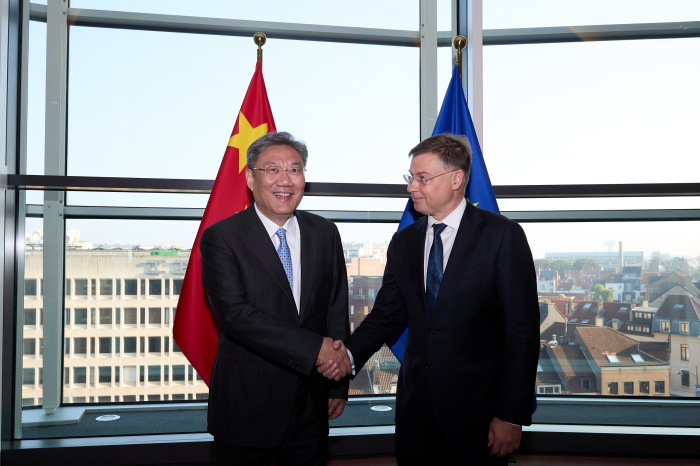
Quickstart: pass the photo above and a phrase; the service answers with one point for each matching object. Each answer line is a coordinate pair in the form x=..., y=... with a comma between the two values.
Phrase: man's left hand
x=504, y=438
x=335, y=407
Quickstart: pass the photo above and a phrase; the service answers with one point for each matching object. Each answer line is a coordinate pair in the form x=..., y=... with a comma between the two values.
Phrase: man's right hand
x=333, y=361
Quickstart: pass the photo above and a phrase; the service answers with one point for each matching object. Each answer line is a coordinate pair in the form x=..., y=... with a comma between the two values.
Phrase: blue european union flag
x=454, y=118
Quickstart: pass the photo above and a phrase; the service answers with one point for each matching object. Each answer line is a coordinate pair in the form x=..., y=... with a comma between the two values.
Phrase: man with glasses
x=463, y=280
x=276, y=281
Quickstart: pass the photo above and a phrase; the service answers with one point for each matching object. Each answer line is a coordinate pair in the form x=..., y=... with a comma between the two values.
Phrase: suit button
x=431, y=331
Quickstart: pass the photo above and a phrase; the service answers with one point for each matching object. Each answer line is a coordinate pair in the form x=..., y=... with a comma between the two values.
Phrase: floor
x=546, y=460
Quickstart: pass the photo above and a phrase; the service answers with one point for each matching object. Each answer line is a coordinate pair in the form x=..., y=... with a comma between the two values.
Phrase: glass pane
x=97, y=335
x=599, y=203
x=36, y=103
x=592, y=112
x=615, y=297
x=188, y=98
x=542, y=13
x=118, y=199
x=386, y=14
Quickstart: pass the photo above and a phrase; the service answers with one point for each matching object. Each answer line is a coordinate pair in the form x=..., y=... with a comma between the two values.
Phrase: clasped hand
x=333, y=361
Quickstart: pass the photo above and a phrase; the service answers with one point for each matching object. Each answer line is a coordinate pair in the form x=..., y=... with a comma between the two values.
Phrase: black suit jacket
x=475, y=356
x=267, y=350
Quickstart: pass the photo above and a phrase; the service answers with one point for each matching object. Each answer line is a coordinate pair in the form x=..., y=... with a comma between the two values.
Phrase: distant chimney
x=622, y=259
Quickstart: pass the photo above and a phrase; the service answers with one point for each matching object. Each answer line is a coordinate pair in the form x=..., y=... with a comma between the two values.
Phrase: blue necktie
x=285, y=256
x=434, y=277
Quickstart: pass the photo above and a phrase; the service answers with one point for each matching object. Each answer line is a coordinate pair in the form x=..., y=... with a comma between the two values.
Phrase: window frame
x=61, y=183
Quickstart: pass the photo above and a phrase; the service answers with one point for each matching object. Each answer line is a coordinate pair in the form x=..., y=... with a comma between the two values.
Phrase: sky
x=151, y=104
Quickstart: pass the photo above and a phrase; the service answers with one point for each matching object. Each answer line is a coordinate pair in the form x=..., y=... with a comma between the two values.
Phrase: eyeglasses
x=274, y=171
x=421, y=180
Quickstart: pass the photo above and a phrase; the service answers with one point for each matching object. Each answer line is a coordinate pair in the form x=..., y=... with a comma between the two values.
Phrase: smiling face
x=442, y=194
x=277, y=196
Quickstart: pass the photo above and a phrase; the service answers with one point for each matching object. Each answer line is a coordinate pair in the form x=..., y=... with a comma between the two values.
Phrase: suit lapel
x=462, y=251
x=260, y=245
x=309, y=261
x=416, y=246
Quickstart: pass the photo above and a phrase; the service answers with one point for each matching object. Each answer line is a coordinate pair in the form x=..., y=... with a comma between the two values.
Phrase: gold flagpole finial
x=459, y=43
x=260, y=39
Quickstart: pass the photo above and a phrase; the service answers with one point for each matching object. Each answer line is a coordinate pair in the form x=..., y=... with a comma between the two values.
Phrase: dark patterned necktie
x=285, y=256
x=434, y=277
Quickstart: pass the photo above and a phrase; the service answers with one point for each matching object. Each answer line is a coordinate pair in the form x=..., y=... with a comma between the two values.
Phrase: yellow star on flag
x=244, y=138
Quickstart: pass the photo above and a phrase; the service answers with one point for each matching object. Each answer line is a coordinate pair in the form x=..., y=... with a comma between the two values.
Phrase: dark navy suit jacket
x=267, y=350
x=475, y=356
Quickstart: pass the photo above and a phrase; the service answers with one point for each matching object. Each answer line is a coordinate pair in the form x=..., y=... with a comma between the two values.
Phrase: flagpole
x=459, y=43
x=260, y=39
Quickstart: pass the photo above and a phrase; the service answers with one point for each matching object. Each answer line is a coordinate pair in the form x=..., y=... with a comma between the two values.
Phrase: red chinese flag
x=195, y=330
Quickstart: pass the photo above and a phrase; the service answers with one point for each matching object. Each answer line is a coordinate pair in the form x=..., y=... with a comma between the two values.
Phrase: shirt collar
x=453, y=219
x=291, y=225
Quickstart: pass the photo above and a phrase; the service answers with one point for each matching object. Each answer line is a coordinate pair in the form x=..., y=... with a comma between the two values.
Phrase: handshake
x=333, y=361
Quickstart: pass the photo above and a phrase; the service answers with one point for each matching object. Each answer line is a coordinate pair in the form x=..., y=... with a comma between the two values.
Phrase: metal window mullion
x=54, y=201
x=21, y=210
x=470, y=25
x=428, y=67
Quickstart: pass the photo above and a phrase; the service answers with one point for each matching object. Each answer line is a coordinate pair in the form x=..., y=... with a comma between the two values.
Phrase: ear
x=249, y=178
x=458, y=180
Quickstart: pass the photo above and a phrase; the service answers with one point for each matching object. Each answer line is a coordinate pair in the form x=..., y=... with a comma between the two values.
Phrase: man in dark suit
x=463, y=280
x=276, y=281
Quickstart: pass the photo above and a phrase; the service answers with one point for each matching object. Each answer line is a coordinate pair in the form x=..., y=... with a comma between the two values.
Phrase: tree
x=543, y=264
x=585, y=263
x=600, y=293
x=561, y=266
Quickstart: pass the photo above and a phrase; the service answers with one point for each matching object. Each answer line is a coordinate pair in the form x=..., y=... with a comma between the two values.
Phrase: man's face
x=277, y=195
x=442, y=194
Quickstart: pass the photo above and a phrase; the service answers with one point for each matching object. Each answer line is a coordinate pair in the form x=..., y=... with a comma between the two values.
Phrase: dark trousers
x=304, y=444
x=424, y=445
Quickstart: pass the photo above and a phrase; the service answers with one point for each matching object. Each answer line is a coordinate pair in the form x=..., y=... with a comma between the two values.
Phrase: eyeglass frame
x=422, y=181
x=281, y=170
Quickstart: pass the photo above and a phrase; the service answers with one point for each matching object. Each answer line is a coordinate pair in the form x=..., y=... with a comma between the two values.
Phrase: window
x=28, y=376
x=644, y=388
x=586, y=385
x=30, y=287
x=114, y=251
x=80, y=316
x=684, y=327
x=665, y=326
x=685, y=352
x=105, y=374
x=29, y=347
x=81, y=287
x=130, y=287
x=154, y=373
x=105, y=345
x=629, y=388
x=106, y=287
x=155, y=315
x=179, y=373
x=659, y=386
x=612, y=388
x=177, y=286
x=105, y=316
x=130, y=316
x=154, y=345
x=130, y=344
x=155, y=287
x=30, y=317
x=685, y=378
x=80, y=345
x=79, y=375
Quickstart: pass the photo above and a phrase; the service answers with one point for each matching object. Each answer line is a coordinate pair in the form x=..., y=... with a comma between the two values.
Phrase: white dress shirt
x=294, y=243
x=448, y=236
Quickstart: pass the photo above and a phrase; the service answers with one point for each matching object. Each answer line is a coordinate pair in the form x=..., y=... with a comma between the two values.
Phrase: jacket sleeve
x=387, y=319
x=517, y=291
